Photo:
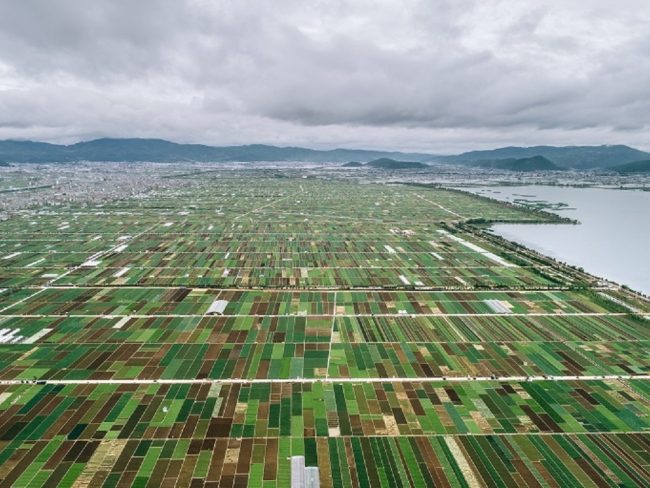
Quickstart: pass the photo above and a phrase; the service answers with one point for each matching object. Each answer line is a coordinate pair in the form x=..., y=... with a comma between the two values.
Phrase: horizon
x=324, y=148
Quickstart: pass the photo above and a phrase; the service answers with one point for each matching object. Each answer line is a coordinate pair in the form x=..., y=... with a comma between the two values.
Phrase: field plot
x=261, y=325
x=322, y=409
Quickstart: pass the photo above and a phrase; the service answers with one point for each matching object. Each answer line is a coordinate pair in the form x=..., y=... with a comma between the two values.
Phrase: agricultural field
x=251, y=327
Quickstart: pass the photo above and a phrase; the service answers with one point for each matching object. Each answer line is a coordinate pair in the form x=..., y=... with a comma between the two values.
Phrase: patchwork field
x=252, y=329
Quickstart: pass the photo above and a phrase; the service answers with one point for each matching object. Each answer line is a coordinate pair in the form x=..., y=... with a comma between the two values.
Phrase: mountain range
x=575, y=157
x=135, y=150
x=132, y=150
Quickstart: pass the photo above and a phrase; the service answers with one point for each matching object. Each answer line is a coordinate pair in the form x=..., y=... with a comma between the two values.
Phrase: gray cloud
x=426, y=75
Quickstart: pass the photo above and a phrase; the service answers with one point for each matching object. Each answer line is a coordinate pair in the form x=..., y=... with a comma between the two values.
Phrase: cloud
x=424, y=75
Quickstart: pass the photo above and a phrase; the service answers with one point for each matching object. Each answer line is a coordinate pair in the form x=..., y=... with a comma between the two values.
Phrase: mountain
x=132, y=150
x=352, y=164
x=535, y=163
x=633, y=167
x=578, y=157
x=387, y=163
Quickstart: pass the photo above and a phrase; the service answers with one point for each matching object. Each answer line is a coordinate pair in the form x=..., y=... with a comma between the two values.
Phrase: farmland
x=212, y=331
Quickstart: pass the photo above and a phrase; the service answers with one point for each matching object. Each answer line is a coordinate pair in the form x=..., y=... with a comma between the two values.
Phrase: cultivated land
x=207, y=334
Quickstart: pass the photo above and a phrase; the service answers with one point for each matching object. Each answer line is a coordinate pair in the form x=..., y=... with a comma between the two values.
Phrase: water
x=612, y=240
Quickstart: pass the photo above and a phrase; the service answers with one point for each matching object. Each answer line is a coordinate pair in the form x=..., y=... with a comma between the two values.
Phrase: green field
x=203, y=335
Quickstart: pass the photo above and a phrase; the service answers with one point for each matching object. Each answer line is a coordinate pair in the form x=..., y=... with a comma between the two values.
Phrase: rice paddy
x=215, y=336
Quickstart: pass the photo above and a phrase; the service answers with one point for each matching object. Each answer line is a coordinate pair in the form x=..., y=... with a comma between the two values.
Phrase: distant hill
x=133, y=150
x=634, y=167
x=387, y=163
x=352, y=164
x=535, y=163
x=578, y=157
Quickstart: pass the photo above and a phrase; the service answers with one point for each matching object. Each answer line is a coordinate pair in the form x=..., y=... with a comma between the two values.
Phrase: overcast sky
x=438, y=76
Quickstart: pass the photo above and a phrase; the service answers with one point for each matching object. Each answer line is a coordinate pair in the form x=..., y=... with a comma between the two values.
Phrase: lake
x=612, y=240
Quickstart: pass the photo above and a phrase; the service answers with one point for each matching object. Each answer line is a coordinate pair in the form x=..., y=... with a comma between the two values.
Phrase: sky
x=439, y=76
